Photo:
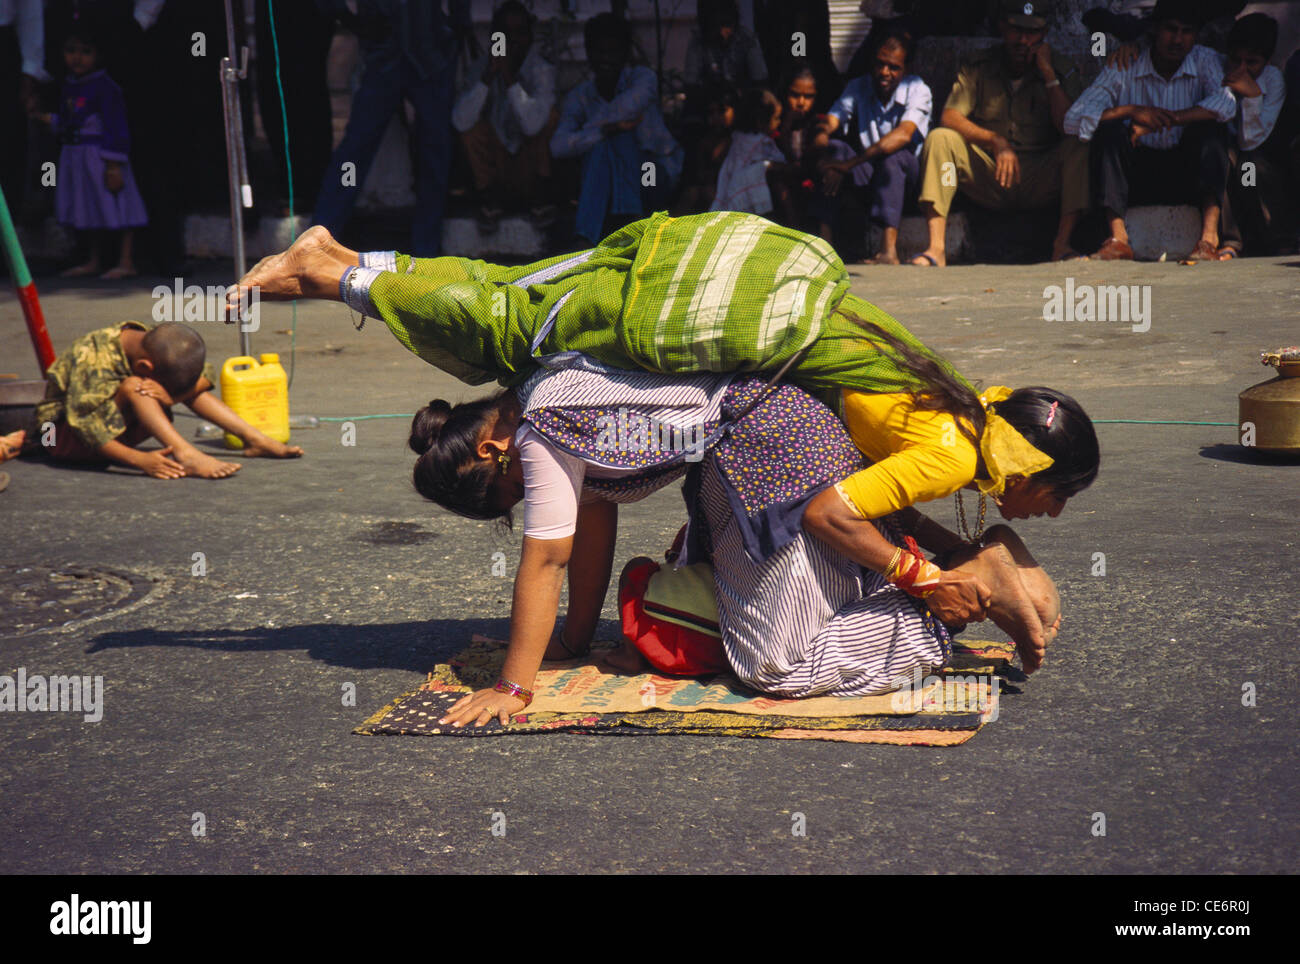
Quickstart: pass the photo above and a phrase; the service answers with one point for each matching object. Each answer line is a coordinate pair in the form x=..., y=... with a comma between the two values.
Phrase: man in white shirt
x=1158, y=130
x=506, y=115
x=1258, y=212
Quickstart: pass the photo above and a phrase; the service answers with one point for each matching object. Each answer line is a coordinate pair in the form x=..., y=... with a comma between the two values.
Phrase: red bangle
x=504, y=685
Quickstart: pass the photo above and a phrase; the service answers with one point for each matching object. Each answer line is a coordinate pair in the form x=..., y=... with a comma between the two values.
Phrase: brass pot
x=1274, y=407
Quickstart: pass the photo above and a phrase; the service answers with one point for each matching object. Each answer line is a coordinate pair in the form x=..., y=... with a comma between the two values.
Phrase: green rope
x=1150, y=421
x=288, y=167
x=362, y=418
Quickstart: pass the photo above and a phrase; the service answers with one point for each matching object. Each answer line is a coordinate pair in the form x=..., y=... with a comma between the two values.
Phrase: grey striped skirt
x=810, y=621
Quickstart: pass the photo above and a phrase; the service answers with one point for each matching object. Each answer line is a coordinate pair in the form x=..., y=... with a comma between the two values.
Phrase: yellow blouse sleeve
x=918, y=455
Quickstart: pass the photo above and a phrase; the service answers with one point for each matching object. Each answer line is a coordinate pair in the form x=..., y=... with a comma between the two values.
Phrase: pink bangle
x=514, y=689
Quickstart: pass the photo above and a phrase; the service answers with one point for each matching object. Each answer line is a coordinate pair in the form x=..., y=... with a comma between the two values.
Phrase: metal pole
x=241, y=192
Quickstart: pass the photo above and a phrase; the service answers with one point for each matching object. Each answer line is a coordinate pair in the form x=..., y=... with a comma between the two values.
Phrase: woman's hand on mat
x=961, y=598
x=480, y=707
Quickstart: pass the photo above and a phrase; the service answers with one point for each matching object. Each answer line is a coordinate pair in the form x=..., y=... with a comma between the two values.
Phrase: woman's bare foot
x=121, y=271
x=308, y=268
x=627, y=659
x=11, y=445
x=930, y=259
x=204, y=466
x=883, y=257
x=81, y=270
x=263, y=446
x=1012, y=610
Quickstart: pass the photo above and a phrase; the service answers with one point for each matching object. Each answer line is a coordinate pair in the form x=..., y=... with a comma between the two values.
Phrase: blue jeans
x=388, y=80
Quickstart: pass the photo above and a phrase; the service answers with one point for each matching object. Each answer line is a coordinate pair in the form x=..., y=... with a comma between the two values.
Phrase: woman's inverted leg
x=308, y=268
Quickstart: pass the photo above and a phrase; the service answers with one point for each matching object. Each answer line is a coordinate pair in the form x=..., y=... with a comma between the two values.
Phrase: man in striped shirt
x=1158, y=129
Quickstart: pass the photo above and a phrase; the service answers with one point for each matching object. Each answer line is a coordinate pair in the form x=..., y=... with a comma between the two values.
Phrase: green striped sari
x=716, y=292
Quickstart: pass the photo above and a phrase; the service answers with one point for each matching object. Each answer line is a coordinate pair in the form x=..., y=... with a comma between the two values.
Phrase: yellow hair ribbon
x=1006, y=452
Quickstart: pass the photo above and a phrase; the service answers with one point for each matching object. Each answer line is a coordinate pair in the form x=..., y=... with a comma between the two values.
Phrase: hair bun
x=427, y=425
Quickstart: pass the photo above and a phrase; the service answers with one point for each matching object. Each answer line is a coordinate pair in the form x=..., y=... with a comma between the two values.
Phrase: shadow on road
x=1247, y=456
x=415, y=646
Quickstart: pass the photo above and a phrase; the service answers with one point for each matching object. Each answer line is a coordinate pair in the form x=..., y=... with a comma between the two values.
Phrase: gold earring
x=503, y=460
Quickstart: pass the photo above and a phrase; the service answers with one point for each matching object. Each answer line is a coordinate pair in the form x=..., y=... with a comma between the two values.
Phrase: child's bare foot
x=81, y=270
x=204, y=466
x=264, y=446
x=11, y=445
x=627, y=659
x=308, y=268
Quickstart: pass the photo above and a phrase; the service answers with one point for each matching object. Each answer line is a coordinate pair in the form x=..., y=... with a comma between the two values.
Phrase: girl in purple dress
x=95, y=191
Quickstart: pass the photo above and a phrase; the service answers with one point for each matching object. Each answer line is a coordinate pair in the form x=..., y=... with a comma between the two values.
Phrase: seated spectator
x=1158, y=130
x=1002, y=142
x=721, y=52
x=886, y=115
x=708, y=149
x=798, y=34
x=742, y=182
x=507, y=115
x=793, y=182
x=612, y=121
x=1257, y=209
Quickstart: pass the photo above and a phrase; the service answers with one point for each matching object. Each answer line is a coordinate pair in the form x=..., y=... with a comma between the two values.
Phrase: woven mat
x=586, y=696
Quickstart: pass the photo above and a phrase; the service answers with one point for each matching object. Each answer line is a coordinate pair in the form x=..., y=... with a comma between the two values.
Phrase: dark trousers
x=1259, y=213
x=303, y=35
x=388, y=80
x=1124, y=175
x=880, y=188
x=885, y=184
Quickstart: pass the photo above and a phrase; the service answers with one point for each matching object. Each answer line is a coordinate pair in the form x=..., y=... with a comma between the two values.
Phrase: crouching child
x=114, y=389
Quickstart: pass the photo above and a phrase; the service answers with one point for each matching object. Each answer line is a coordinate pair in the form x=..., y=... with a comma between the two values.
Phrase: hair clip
x=1052, y=414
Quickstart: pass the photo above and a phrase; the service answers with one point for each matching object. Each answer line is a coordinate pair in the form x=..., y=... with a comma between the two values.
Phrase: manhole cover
x=38, y=597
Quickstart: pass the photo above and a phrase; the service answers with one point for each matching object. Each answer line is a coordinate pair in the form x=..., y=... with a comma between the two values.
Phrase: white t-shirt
x=553, y=485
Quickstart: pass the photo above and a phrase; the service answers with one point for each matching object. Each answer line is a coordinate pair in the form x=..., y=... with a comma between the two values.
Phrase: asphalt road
x=224, y=693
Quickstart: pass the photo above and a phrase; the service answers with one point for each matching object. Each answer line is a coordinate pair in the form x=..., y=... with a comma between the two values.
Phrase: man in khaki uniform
x=1002, y=142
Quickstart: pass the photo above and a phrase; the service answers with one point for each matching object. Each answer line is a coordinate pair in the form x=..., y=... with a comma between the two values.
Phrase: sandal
x=1114, y=250
x=928, y=257
x=1227, y=253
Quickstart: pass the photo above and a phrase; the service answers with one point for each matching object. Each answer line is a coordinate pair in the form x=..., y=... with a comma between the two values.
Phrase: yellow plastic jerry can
x=258, y=392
